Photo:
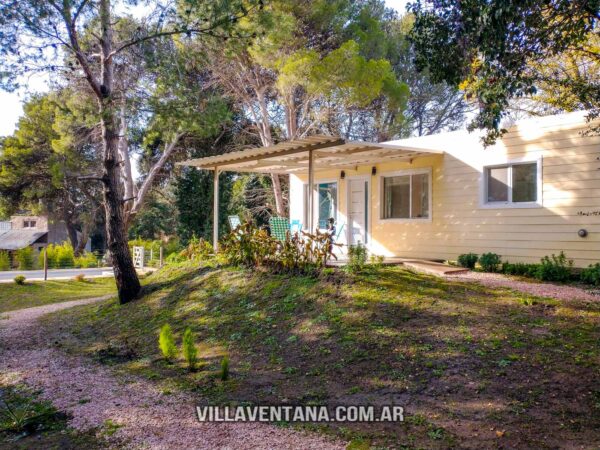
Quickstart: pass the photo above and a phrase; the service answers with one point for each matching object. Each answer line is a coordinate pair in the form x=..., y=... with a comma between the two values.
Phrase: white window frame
x=397, y=173
x=484, y=203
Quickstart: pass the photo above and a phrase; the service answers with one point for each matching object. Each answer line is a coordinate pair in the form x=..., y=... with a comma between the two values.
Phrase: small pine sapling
x=189, y=350
x=166, y=342
x=225, y=368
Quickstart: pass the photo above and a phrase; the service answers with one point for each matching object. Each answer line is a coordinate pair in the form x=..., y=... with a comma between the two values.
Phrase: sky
x=11, y=103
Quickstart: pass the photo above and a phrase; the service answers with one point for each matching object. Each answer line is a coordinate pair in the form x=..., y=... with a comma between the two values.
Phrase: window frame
x=398, y=173
x=538, y=203
x=306, y=191
x=316, y=198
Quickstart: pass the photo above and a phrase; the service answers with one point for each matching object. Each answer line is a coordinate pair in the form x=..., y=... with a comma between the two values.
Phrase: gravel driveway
x=557, y=291
x=146, y=417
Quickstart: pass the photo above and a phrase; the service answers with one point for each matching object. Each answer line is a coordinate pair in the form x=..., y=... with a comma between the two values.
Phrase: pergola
x=303, y=156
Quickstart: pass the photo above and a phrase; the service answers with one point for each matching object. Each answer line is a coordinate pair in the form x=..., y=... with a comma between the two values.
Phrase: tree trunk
x=128, y=194
x=128, y=284
x=264, y=129
x=72, y=233
x=83, y=238
x=148, y=182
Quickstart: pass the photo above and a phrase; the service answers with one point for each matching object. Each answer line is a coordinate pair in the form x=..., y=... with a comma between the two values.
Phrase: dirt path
x=145, y=417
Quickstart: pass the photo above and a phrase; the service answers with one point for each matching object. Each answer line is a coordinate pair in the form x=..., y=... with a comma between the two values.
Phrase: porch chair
x=295, y=226
x=279, y=227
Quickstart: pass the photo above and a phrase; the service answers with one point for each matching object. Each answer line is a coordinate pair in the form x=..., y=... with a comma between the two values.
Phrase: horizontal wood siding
x=460, y=224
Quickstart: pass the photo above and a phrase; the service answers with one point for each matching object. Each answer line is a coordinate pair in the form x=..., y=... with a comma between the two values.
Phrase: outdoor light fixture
x=582, y=233
x=342, y=174
x=373, y=170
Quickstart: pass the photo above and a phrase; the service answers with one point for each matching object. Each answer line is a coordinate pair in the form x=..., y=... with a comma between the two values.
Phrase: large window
x=406, y=196
x=515, y=183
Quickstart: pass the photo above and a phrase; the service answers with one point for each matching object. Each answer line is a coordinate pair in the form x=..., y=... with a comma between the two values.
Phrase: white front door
x=358, y=220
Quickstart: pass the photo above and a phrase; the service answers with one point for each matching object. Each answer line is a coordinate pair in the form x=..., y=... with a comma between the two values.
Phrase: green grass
x=464, y=360
x=38, y=293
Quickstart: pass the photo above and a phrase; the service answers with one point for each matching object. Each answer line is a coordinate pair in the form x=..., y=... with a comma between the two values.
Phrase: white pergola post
x=216, y=210
x=311, y=192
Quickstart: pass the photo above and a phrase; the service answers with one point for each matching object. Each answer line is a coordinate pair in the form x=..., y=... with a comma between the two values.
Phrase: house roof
x=17, y=239
x=329, y=152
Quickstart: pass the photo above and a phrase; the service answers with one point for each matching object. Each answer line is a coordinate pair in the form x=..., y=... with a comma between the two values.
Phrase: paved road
x=53, y=274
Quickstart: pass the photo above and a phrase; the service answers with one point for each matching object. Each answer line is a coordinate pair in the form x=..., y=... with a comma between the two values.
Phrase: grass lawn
x=473, y=366
x=37, y=293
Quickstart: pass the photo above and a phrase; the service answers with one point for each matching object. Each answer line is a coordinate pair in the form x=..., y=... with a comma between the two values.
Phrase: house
x=534, y=193
x=34, y=231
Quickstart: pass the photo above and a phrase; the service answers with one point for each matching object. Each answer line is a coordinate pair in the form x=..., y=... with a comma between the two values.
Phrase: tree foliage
x=82, y=37
x=494, y=50
x=53, y=145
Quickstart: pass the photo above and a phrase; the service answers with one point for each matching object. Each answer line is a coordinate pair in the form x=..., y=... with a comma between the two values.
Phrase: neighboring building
x=31, y=231
x=534, y=193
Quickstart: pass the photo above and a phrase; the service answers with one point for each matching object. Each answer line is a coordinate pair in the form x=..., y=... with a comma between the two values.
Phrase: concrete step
x=433, y=268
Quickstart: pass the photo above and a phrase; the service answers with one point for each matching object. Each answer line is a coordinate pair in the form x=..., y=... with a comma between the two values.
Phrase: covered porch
x=308, y=160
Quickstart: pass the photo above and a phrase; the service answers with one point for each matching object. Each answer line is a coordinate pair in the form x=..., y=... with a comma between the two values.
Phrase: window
x=406, y=196
x=29, y=224
x=326, y=200
x=515, y=183
x=327, y=203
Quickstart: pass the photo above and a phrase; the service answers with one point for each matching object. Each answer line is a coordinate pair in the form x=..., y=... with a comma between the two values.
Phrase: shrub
x=51, y=257
x=59, y=256
x=197, y=249
x=468, y=260
x=174, y=258
x=490, y=262
x=86, y=260
x=357, y=257
x=224, y=368
x=25, y=258
x=591, y=275
x=166, y=342
x=250, y=246
x=555, y=268
x=520, y=269
x=20, y=280
x=189, y=350
x=64, y=255
x=377, y=260
x=4, y=261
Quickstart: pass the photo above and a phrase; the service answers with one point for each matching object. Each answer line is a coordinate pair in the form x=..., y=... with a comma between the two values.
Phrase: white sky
x=11, y=103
